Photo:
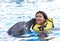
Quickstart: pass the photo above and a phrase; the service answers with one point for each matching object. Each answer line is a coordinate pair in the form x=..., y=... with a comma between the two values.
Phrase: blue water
x=13, y=11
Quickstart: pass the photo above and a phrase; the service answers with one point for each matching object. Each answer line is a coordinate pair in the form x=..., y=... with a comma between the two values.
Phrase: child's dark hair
x=43, y=13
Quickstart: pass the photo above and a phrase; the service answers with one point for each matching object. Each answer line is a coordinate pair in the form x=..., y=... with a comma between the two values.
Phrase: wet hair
x=43, y=13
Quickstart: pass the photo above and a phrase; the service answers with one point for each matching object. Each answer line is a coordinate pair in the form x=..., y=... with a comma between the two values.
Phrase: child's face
x=40, y=19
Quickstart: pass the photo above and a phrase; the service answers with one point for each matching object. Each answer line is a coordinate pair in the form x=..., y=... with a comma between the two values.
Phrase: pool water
x=13, y=11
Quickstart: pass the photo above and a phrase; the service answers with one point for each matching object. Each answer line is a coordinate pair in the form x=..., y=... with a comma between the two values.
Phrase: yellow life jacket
x=48, y=23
